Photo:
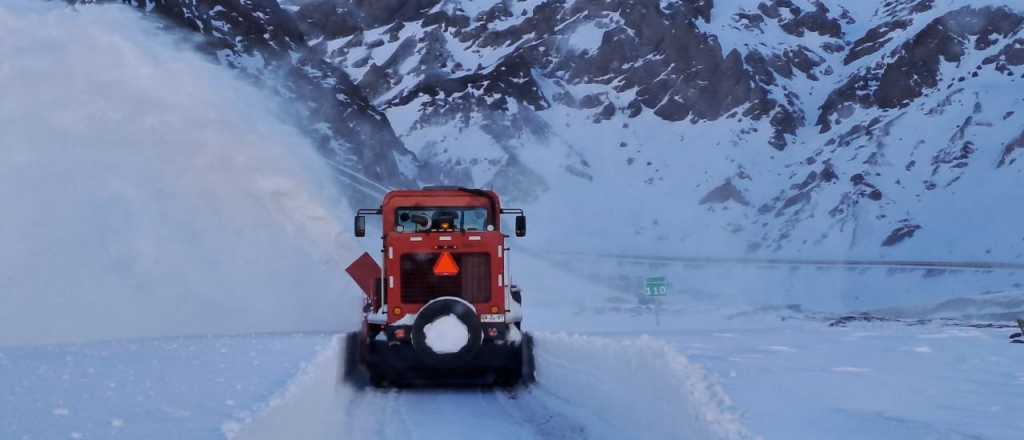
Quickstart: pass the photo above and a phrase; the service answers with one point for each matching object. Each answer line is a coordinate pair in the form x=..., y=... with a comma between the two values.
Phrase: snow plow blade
x=381, y=365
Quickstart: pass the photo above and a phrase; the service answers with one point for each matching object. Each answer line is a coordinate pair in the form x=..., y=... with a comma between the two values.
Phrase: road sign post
x=656, y=287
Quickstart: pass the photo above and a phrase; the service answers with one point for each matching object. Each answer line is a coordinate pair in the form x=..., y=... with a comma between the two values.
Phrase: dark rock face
x=1009, y=150
x=876, y=38
x=900, y=234
x=915, y=67
x=342, y=18
x=511, y=79
x=817, y=21
x=1011, y=55
x=724, y=193
x=677, y=72
x=693, y=78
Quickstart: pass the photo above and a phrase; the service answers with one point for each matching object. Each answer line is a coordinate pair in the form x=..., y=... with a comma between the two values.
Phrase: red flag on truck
x=365, y=272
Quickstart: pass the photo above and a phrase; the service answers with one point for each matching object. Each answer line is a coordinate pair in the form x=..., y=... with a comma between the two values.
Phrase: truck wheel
x=378, y=380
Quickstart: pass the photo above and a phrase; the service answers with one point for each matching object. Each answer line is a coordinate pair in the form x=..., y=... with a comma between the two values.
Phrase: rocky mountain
x=695, y=127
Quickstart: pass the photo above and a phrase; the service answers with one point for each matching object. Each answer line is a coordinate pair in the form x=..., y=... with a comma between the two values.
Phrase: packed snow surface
x=446, y=334
x=164, y=388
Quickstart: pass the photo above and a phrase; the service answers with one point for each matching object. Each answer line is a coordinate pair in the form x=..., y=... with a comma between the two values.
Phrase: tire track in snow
x=408, y=430
x=544, y=422
x=360, y=404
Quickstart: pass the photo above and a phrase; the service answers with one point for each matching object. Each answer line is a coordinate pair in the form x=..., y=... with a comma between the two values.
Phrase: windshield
x=441, y=219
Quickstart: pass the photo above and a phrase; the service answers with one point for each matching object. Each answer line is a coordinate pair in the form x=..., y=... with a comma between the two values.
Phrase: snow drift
x=634, y=385
x=146, y=191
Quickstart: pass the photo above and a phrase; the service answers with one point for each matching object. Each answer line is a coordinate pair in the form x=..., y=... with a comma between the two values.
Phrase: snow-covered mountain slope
x=148, y=192
x=778, y=127
x=773, y=127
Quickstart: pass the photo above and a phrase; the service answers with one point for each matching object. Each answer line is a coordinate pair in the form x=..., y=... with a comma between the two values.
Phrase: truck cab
x=444, y=259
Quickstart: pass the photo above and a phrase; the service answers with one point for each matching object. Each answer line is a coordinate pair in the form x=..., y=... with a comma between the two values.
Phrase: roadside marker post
x=656, y=287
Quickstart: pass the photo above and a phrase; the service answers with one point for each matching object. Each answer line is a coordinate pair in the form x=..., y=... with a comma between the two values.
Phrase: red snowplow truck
x=441, y=309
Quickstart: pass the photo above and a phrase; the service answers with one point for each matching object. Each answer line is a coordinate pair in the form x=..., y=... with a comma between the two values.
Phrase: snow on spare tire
x=454, y=335
x=446, y=335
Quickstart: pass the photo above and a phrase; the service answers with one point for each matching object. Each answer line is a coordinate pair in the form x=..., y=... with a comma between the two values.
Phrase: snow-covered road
x=712, y=375
x=606, y=369
x=188, y=387
x=588, y=388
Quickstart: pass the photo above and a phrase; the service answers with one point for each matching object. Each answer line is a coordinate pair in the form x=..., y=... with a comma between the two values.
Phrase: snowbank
x=629, y=386
x=146, y=191
x=314, y=394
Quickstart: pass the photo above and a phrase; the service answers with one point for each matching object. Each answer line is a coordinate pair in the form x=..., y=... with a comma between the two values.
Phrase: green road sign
x=655, y=286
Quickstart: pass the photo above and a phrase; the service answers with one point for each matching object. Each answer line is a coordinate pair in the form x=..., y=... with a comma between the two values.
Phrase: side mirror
x=520, y=226
x=360, y=226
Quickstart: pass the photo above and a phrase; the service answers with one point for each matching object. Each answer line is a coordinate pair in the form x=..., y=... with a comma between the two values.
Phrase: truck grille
x=420, y=285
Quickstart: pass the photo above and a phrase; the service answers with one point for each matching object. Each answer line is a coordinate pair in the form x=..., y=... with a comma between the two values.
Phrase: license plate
x=492, y=318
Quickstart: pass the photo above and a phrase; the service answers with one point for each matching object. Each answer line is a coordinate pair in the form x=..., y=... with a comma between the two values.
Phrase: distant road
x=894, y=264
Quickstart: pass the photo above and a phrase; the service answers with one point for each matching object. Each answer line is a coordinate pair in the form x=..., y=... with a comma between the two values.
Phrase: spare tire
x=436, y=333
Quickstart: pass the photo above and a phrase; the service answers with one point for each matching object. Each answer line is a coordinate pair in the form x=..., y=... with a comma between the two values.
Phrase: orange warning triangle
x=446, y=266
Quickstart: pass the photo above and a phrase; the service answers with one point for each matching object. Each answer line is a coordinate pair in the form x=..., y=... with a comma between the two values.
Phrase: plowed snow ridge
x=588, y=388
